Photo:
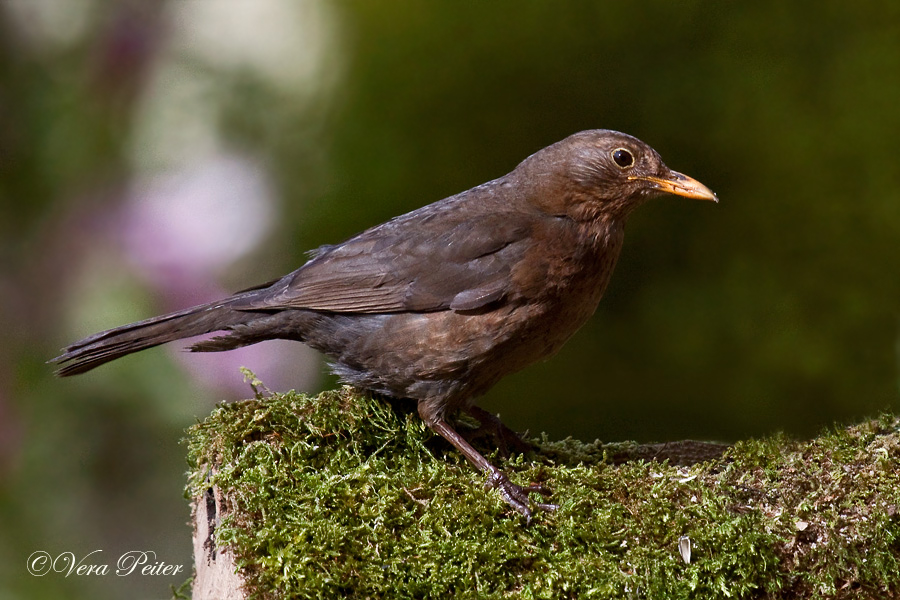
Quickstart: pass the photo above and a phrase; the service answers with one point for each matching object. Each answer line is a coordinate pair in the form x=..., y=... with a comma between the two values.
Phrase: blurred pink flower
x=182, y=232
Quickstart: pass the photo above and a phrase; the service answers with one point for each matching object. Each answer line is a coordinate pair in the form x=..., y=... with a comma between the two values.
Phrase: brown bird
x=439, y=304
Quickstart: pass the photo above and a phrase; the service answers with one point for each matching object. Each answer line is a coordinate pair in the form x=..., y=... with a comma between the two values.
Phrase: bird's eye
x=622, y=157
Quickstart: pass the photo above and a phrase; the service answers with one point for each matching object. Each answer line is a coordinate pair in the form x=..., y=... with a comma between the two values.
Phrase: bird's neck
x=603, y=234
x=601, y=213
x=601, y=243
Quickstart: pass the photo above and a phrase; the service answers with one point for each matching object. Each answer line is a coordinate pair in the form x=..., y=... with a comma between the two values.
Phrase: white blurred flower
x=198, y=221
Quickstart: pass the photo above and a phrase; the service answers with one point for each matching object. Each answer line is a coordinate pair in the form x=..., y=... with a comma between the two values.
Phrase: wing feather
x=403, y=266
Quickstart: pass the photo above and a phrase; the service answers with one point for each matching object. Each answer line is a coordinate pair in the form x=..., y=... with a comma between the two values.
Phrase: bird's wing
x=419, y=262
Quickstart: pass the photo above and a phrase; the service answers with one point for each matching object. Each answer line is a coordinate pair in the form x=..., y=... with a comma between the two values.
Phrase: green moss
x=341, y=495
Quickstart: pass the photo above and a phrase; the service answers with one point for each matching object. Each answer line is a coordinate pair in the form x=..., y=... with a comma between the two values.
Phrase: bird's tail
x=109, y=345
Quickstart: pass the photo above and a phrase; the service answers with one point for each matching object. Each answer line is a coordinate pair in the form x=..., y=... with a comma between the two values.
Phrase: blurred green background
x=154, y=155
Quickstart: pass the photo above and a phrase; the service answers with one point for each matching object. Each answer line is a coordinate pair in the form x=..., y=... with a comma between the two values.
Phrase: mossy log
x=343, y=495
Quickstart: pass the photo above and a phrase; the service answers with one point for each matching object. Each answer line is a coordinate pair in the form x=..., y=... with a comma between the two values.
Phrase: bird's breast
x=568, y=268
x=558, y=284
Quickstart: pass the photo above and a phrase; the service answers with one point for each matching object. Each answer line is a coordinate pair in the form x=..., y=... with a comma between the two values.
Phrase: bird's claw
x=517, y=496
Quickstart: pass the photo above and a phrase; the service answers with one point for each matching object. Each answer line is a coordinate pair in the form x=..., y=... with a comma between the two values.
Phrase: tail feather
x=109, y=345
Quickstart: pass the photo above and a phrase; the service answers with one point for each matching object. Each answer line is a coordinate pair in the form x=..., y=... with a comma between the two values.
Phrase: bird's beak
x=680, y=185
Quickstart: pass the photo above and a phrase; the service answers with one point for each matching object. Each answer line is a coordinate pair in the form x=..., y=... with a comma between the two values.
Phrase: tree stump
x=347, y=496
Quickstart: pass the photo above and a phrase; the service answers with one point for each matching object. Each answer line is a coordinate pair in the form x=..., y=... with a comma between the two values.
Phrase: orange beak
x=680, y=185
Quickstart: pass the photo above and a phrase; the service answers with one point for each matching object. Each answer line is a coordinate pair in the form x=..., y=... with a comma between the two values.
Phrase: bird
x=438, y=304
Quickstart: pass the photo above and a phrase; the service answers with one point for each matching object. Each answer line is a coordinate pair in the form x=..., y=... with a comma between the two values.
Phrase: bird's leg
x=514, y=495
x=505, y=438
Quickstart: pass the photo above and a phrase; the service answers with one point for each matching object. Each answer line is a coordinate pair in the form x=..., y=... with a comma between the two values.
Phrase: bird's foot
x=504, y=438
x=517, y=496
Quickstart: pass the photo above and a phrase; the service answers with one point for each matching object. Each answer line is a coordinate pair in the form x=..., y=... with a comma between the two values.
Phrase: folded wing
x=401, y=267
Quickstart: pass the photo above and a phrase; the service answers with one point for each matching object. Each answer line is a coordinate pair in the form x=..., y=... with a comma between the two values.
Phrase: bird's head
x=602, y=173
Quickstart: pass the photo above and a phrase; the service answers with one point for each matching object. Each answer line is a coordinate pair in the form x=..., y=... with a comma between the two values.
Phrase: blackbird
x=439, y=304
